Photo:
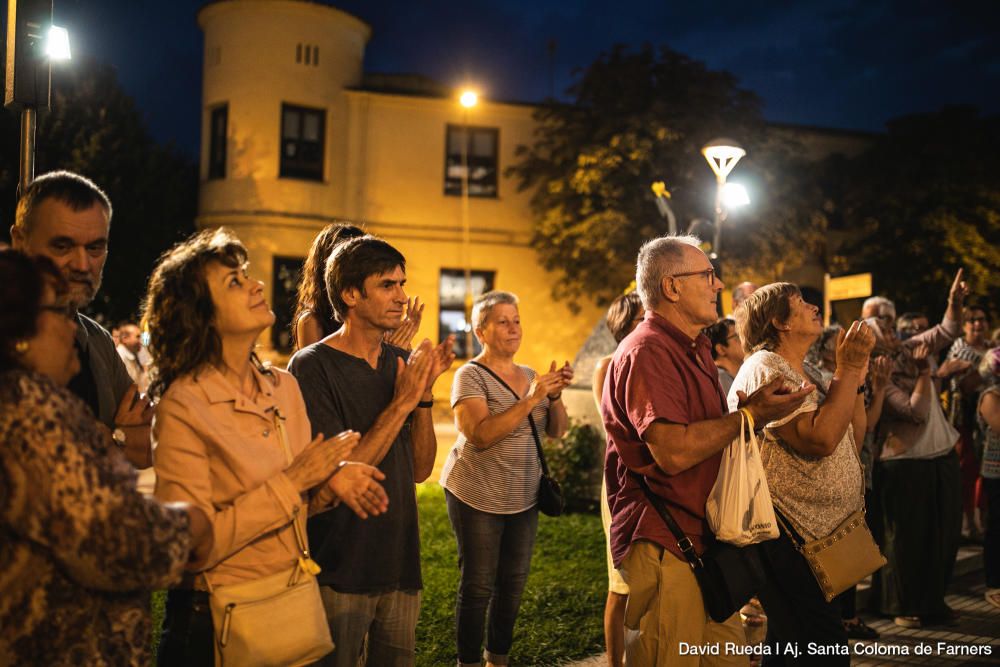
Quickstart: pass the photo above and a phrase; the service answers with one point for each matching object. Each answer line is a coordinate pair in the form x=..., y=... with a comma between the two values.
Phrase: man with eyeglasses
x=666, y=420
x=67, y=218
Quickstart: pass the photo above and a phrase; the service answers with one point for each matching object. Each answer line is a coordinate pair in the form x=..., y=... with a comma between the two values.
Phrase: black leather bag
x=727, y=575
x=550, y=497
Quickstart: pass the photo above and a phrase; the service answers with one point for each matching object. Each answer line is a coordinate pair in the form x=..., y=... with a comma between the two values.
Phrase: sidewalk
x=977, y=631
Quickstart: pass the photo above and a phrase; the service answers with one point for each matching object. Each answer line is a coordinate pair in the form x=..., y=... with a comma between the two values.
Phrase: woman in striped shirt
x=492, y=473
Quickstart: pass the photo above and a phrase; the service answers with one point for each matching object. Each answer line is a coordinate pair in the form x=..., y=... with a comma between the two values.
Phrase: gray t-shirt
x=815, y=493
x=382, y=553
x=503, y=478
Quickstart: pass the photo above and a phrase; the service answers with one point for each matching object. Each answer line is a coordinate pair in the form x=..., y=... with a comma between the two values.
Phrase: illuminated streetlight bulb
x=57, y=44
x=734, y=195
x=468, y=99
x=722, y=156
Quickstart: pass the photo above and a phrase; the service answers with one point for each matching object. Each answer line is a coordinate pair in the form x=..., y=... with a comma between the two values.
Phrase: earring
x=22, y=346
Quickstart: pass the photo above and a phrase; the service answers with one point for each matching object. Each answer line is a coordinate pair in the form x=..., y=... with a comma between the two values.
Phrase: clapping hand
x=403, y=336
x=879, y=371
x=357, y=485
x=854, y=347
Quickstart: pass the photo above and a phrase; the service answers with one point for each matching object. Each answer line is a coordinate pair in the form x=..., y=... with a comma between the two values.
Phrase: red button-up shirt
x=658, y=373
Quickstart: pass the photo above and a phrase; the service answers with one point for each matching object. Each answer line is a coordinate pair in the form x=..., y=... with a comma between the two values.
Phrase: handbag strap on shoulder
x=531, y=419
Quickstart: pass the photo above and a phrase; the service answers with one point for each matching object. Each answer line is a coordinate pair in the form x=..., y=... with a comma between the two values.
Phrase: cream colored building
x=294, y=137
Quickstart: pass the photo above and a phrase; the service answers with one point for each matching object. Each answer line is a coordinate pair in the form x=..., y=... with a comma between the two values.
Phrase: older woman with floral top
x=810, y=457
x=81, y=548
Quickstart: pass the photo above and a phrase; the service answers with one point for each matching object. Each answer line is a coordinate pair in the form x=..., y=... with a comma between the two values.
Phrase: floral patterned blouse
x=80, y=548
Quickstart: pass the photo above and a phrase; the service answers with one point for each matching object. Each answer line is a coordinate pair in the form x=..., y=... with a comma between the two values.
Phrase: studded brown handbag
x=842, y=558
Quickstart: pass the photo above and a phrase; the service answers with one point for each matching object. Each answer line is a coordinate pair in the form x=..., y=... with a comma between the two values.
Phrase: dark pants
x=494, y=556
x=922, y=518
x=187, y=639
x=797, y=612
x=991, y=541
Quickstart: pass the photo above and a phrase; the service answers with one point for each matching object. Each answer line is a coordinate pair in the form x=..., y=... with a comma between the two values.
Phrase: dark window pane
x=287, y=273
x=481, y=146
x=217, y=142
x=452, y=306
x=303, y=142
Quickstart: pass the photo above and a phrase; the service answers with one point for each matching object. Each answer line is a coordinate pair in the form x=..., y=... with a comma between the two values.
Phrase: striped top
x=991, y=443
x=503, y=478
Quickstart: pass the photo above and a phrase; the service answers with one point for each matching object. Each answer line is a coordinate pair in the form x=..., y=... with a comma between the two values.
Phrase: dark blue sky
x=849, y=64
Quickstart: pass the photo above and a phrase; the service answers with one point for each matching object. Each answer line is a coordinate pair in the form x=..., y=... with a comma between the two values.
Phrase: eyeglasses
x=66, y=310
x=708, y=273
x=973, y=320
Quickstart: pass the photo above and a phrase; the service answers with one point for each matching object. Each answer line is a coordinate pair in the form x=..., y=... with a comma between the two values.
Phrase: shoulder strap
x=531, y=419
x=684, y=543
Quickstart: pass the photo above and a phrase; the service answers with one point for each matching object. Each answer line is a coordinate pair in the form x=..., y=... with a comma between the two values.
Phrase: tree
x=925, y=200
x=94, y=128
x=639, y=117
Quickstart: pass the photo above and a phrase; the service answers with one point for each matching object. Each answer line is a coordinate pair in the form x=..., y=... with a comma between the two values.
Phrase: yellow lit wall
x=384, y=166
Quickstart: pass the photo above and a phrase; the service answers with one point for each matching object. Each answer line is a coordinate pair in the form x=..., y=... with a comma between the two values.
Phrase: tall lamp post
x=722, y=156
x=468, y=99
x=33, y=44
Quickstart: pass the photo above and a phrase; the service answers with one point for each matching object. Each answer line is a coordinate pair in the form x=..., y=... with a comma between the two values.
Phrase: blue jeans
x=494, y=556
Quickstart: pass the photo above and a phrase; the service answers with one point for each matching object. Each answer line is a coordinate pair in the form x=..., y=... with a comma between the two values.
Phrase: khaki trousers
x=665, y=619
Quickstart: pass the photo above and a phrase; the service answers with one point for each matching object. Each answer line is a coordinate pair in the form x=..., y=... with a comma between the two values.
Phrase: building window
x=302, y=141
x=452, y=313
x=307, y=53
x=218, y=122
x=287, y=273
x=481, y=143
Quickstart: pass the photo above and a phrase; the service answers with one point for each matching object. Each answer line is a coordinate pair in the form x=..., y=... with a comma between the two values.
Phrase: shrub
x=576, y=462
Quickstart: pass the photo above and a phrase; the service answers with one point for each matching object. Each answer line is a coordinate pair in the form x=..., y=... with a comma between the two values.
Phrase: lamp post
x=722, y=156
x=33, y=44
x=467, y=99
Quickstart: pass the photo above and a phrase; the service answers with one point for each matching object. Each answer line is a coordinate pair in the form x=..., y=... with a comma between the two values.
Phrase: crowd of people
x=167, y=455
x=894, y=419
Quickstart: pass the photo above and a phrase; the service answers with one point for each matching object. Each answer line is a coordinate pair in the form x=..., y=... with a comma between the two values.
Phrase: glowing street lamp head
x=734, y=195
x=468, y=99
x=722, y=156
x=57, y=44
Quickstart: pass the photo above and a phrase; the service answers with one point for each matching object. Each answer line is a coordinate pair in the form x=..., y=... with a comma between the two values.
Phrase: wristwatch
x=118, y=436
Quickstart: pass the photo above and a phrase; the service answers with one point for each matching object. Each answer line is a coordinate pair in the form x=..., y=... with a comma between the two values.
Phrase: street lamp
x=722, y=156
x=468, y=99
x=33, y=44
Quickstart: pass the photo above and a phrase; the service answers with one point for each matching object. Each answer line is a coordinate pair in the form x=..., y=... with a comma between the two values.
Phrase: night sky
x=850, y=64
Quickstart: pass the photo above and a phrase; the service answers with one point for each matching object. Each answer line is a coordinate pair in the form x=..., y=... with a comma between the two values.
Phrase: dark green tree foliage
x=925, y=200
x=636, y=118
x=94, y=128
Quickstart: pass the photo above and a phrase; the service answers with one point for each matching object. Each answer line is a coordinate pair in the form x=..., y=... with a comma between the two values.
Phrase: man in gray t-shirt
x=352, y=379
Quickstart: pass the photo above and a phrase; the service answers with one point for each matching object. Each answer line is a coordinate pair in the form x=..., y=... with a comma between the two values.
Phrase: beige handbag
x=845, y=556
x=276, y=620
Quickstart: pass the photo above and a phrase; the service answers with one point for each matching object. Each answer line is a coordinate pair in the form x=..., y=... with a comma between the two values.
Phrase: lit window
x=481, y=143
x=452, y=310
x=302, y=141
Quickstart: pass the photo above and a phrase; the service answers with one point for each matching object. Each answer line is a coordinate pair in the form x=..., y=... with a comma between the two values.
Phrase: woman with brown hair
x=82, y=548
x=231, y=435
x=314, y=318
x=810, y=457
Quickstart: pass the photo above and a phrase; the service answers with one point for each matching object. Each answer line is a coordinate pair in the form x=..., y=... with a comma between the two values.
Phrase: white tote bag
x=739, y=509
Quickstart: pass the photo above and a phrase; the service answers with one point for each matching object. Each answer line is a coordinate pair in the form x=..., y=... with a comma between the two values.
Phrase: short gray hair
x=657, y=258
x=484, y=304
x=879, y=302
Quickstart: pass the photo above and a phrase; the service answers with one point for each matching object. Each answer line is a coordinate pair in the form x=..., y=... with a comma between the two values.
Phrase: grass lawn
x=562, y=607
